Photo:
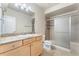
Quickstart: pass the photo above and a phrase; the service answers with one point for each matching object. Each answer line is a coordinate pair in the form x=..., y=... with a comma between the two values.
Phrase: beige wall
x=22, y=20
x=40, y=23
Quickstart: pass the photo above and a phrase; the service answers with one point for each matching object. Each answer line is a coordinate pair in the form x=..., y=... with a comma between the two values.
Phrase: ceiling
x=46, y=5
x=66, y=9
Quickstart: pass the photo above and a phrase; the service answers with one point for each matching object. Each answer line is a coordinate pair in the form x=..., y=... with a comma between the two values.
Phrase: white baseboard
x=62, y=48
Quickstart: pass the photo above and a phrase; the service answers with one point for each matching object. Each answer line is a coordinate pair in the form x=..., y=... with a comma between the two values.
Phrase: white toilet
x=47, y=44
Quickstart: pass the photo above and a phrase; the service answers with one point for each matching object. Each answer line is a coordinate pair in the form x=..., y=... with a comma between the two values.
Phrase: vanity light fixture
x=16, y=5
x=22, y=6
x=28, y=9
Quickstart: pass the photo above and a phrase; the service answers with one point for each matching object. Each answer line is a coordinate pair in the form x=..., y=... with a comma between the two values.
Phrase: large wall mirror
x=16, y=18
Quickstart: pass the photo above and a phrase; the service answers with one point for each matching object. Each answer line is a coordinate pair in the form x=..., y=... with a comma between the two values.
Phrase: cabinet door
x=27, y=41
x=10, y=46
x=36, y=48
x=21, y=51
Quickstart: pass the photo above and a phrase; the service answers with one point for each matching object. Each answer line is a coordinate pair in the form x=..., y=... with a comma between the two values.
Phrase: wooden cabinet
x=10, y=46
x=25, y=50
x=27, y=47
x=36, y=47
x=21, y=51
x=29, y=40
x=39, y=38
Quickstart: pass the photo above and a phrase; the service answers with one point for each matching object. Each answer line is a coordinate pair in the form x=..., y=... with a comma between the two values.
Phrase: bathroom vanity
x=22, y=45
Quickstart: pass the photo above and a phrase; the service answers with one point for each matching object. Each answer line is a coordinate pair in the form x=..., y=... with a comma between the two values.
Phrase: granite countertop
x=5, y=40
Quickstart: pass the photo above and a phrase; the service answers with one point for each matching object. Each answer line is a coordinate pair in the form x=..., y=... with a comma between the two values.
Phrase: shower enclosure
x=62, y=31
x=75, y=34
x=66, y=30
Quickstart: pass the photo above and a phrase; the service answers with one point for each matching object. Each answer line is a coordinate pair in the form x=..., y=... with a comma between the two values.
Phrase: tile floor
x=55, y=52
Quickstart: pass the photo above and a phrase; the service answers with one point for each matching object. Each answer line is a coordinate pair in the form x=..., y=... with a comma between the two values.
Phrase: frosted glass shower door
x=61, y=30
x=74, y=43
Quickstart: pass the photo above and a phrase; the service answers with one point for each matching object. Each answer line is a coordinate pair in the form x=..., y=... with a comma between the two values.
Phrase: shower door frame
x=70, y=14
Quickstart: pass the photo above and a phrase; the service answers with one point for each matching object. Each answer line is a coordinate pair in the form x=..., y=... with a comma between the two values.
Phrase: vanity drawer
x=21, y=51
x=10, y=46
x=29, y=40
x=39, y=38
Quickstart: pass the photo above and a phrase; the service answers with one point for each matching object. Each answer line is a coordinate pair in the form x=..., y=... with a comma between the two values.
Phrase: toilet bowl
x=47, y=44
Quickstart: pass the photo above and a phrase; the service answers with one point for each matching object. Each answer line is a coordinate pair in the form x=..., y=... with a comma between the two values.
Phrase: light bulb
x=22, y=7
x=16, y=5
x=28, y=9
